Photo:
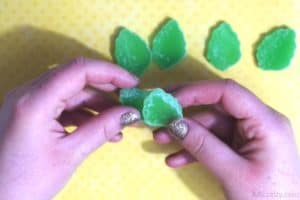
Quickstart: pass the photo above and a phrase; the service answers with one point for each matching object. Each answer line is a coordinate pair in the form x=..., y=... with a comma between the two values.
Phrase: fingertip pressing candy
x=157, y=107
x=276, y=49
x=223, y=47
x=131, y=52
x=168, y=45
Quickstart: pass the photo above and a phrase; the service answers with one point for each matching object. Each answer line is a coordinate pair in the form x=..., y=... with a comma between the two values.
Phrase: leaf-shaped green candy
x=131, y=52
x=133, y=97
x=223, y=47
x=276, y=49
x=168, y=45
x=157, y=107
x=160, y=108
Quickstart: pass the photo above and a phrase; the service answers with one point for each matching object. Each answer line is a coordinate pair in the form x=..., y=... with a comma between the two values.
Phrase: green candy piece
x=168, y=45
x=160, y=108
x=223, y=47
x=276, y=49
x=131, y=52
x=157, y=107
x=133, y=97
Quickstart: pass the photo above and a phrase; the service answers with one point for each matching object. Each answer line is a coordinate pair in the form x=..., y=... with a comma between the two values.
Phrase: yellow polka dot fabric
x=35, y=34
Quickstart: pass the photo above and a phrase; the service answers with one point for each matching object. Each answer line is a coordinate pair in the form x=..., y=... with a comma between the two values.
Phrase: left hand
x=37, y=156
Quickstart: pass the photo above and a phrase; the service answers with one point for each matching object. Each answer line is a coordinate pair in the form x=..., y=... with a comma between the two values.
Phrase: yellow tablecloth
x=35, y=34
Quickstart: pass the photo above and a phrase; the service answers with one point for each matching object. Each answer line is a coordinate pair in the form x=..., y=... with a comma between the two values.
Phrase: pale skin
x=248, y=146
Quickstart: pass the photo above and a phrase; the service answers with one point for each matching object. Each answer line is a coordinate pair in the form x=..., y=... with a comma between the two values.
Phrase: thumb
x=102, y=128
x=219, y=158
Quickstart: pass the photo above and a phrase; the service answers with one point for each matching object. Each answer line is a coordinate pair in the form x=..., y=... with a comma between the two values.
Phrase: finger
x=75, y=118
x=179, y=159
x=39, y=80
x=102, y=128
x=221, y=124
x=174, y=88
x=218, y=123
x=206, y=148
x=234, y=99
x=68, y=80
x=76, y=115
x=161, y=136
x=106, y=87
x=116, y=138
x=90, y=98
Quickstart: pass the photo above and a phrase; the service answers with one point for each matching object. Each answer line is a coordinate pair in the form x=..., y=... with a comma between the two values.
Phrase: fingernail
x=137, y=78
x=179, y=129
x=129, y=118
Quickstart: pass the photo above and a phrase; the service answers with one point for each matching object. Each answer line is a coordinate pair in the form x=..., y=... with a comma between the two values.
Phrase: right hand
x=247, y=145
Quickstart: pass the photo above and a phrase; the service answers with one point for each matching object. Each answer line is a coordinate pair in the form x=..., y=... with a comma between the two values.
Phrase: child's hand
x=248, y=146
x=37, y=157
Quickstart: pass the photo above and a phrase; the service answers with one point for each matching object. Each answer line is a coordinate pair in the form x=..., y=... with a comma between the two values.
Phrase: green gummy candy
x=160, y=108
x=133, y=97
x=168, y=45
x=223, y=47
x=131, y=52
x=157, y=107
x=276, y=49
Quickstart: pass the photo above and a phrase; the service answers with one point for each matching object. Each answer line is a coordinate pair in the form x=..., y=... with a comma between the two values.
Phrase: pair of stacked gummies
x=156, y=106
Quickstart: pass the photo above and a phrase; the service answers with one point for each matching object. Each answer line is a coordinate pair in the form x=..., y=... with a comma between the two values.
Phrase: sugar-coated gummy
x=133, y=97
x=223, y=47
x=160, y=108
x=276, y=49
x=168, y=45
x=157, y=107
x=131, y=52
